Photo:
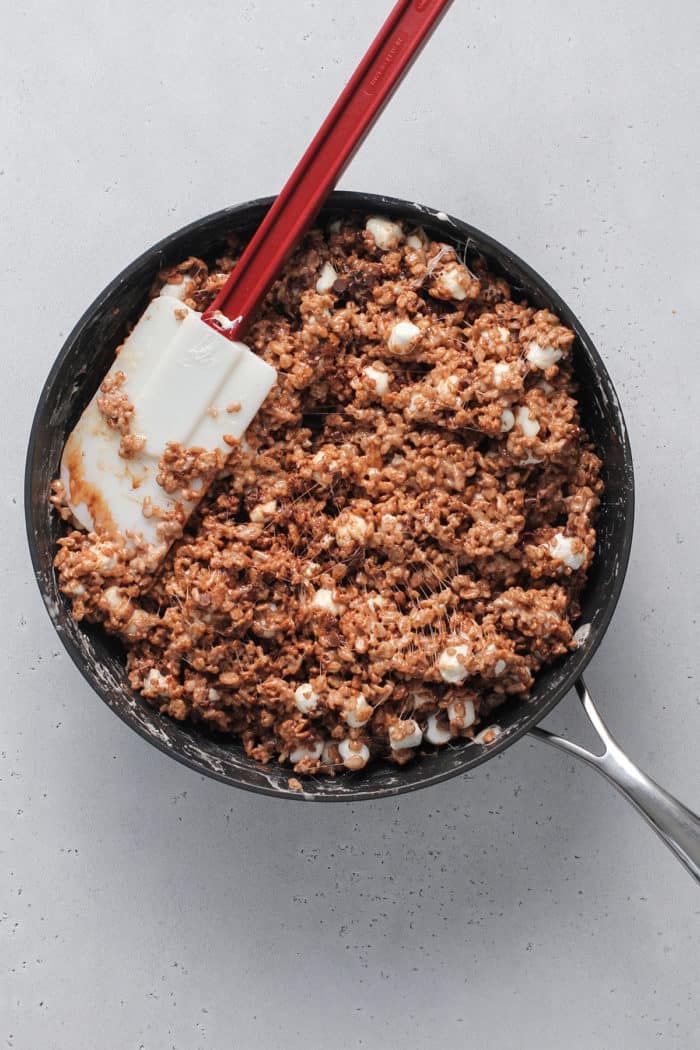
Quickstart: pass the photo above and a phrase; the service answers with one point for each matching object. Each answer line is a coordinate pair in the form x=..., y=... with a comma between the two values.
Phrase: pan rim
x=576, y=662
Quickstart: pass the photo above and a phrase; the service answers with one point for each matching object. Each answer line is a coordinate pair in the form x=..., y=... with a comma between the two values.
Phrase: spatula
x=185, y=378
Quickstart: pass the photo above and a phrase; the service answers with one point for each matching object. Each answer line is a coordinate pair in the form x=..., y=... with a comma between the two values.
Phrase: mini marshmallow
x=114, y=597
x=261, y=627
x=106, y=560
x=421, y=698
x=461, y=714
x=386, y=234
x=264, y=510
x=488, y=735
x=350, y=530
x=403, y=336
x=529, y=460
x=448, y=388
x=434, y=733
x=313, y=751
x=323, y=599
x=507, y=420
x=329, y=755
x=500, y=665
x=306, y=699
x=453, y=282
x=106, y=563
x=527, y=422
x=562, y=549
x=404, y=734
x=322, y=463
x=357, y=712
x=353, y=754
x=213, y=695
x=417, y=240
x=138, y=621
x=450, y=668
x=380, y=379
x=156, y=683
x=500, y=371
x=543, y=356
x=73, y=587
x=419, y=405
x=327, y=278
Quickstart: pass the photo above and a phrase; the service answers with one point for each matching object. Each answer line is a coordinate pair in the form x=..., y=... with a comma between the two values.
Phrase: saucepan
x=77, y=372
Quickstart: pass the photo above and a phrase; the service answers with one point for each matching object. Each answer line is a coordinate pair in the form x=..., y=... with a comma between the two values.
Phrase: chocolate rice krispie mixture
x=399, y=542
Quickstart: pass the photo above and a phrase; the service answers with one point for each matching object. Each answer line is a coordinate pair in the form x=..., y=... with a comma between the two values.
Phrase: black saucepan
x=78, y=370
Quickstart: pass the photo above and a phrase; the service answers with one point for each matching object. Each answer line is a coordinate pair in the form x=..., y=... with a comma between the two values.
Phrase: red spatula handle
x=379, y=74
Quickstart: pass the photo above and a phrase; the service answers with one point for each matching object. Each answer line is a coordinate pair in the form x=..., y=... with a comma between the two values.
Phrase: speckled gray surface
x=527, y=906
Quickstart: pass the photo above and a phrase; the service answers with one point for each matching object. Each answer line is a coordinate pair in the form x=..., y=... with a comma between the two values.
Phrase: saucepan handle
x=671, y=820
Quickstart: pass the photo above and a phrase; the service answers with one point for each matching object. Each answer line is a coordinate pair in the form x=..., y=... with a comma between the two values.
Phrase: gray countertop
x=526, y=906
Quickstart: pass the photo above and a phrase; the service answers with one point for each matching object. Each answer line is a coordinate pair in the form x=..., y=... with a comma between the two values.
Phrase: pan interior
x=79, y=369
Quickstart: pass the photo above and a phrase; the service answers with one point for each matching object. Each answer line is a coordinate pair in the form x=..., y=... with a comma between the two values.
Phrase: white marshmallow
x=403, y=336
x=323, y=599
x=138, y=622
x=449, y=666
x=380, y=379
x=500, y=371
x=504, y=334
x=306, y=699
x=313, y=751
x=448, y=389
x=353, y=755
x=417, y=240
x=156, y=684
x=500, y=664
x=421, y=698
x=418, y=406
x=329, y=755
x=357, y=712
x=488, y=735
x=461, y=714
x=562, y=548
x=543, y=356
x=404, y=734
x=434, y=732
x=263, y=510
x=322, y=463
x=261, y=626
x=507, y=420
x=527, y=422
x=327, y=278
x=453, y=282
x=213, y=695
x=386, y=234
x=73, y=587
x=529, y=460
x=350, y=530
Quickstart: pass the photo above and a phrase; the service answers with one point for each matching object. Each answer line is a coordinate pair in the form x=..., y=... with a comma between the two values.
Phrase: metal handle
x=671, y=820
